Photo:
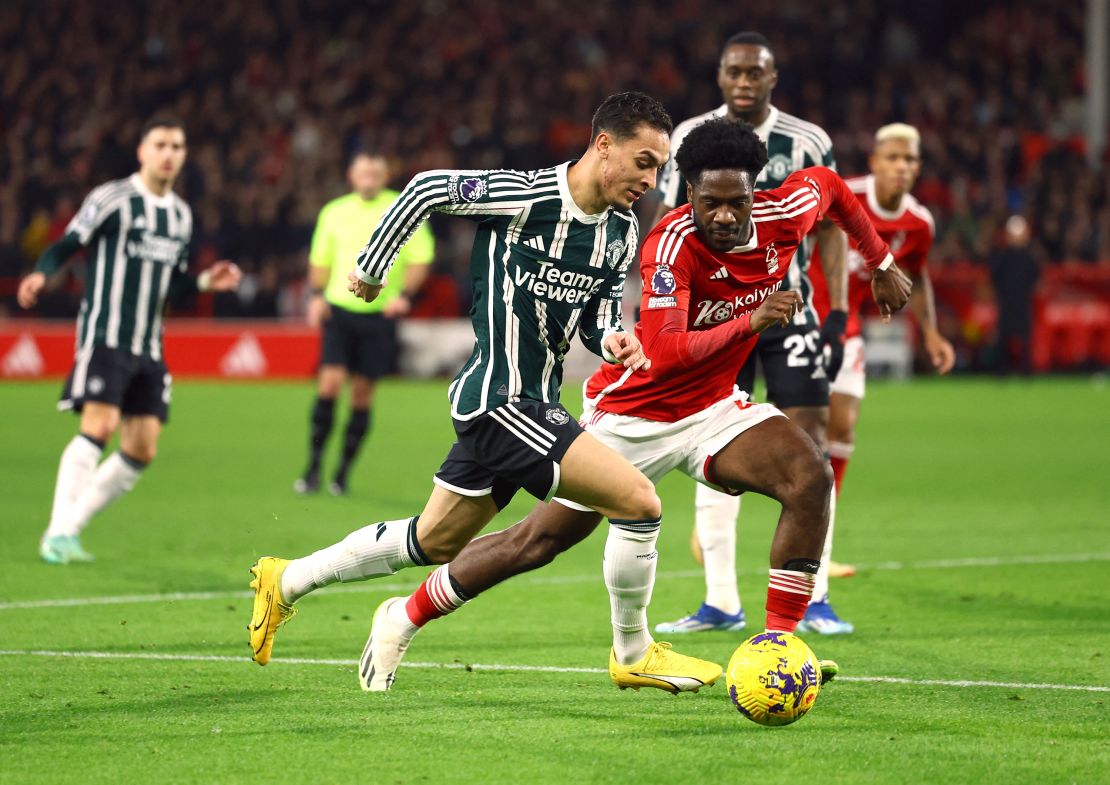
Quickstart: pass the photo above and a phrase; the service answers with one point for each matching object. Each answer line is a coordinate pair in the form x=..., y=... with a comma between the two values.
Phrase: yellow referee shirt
x=341, y=232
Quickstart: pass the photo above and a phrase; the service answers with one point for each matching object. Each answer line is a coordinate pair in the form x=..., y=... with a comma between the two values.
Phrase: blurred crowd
x=277, y=95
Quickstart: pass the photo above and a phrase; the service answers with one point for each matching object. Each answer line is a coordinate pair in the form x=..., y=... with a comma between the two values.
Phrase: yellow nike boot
x=270, y=611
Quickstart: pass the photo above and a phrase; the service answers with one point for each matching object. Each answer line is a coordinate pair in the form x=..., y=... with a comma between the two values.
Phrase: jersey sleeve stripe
x=805, y=192
x=798, y=209
x=798, y=127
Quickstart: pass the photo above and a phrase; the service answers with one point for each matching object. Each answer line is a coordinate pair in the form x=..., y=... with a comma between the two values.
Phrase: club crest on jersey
x=662, y=282
x=772, y=259
x=778, y=168
x=615, y=252
x=557, y=416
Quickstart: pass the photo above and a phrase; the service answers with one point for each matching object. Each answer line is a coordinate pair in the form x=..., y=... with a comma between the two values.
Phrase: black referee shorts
x=364, y=343
x=518, y=445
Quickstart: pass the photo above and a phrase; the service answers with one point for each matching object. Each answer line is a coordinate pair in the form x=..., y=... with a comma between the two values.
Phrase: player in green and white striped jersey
x=551, y=253
x=137, y=232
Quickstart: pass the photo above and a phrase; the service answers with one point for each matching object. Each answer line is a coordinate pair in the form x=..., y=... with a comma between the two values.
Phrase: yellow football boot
x=270, y=611
x=665, y=670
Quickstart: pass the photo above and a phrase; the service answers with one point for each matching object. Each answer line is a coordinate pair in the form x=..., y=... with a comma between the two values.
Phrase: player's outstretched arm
x=940, y=351
x=49, y=263
x=889, y=285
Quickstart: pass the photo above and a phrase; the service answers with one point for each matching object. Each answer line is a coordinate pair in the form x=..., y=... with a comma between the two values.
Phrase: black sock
x=323, y=414
x=357, y=427
x=95, y=442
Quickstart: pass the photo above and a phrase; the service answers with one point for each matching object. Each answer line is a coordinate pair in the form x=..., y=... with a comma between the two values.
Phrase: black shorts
x=518, y=445
x=137, y=385
x=363, y=343
x=791, y=365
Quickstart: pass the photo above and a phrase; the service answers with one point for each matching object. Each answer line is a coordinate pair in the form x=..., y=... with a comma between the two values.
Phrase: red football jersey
x=697, y=303
x=908, y=230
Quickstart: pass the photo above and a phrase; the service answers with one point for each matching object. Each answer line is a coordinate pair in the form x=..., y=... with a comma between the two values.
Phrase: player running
x=711, y=273
x=907, y=226
x=796, y=358
x=137, y=232
x=359, y=338
x=549, y=260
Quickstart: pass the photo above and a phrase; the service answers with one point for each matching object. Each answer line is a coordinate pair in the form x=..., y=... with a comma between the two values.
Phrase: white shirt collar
x=873, y=203
x=752, y=243
x=165, y=200
x=575, y=211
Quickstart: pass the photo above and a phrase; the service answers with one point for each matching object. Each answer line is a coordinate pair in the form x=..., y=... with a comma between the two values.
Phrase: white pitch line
x=501, y=668
x=545, y=580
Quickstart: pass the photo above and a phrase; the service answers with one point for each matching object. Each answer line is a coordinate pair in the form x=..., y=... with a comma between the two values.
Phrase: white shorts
x=655, y=448
x=852, y=379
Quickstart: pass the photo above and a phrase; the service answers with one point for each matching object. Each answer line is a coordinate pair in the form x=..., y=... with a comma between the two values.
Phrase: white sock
x=113, y=478
x=715, y=520
x=370, y=552
x=75, y=470
x=629, y=570
x=821, y=587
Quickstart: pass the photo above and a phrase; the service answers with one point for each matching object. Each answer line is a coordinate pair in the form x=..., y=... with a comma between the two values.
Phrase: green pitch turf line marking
x=194, y=596
x=146, y=655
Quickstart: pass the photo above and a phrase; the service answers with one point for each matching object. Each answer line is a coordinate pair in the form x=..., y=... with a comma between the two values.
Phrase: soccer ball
x=773, y=678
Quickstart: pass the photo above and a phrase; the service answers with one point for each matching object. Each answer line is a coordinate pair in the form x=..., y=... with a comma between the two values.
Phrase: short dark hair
x=160, y=121
x=621, y=114
x=748, y=38
x=721, y=144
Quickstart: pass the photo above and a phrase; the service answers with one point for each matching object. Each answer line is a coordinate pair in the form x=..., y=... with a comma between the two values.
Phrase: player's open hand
x=30, y=288
x=778, y=309
x=224, y=276
x=362, y=290
x=940, y=351
x=891, y=289
x=628, y=351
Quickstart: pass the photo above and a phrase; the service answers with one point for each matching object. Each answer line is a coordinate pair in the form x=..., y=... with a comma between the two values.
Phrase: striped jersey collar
x=763, y=130
x=575, y=211
x=165, y=200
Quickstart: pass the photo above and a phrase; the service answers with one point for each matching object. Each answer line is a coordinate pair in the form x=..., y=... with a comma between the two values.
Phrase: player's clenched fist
x=891, y=290
x=365, y=291
x=778, y=309
x=626, y=348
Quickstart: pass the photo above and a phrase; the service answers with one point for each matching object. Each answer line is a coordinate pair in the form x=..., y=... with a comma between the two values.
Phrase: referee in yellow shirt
x=359, y=338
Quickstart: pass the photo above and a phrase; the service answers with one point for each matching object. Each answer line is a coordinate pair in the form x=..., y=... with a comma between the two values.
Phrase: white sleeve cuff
x=887, y=262
x=365, y=277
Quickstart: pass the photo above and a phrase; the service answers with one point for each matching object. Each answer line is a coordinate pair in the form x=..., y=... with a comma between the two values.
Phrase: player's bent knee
x=643, y=503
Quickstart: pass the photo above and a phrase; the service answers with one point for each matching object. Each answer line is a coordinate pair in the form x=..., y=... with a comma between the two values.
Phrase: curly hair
x=721, y=144
x=621, y=114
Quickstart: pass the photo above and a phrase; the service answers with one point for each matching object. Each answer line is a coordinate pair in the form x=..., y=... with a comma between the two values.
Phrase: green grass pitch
x=977, y=510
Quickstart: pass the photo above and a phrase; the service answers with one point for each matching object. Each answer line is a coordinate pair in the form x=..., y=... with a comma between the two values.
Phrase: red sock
x=788, y=595
x=839, y=455
x=437, y=596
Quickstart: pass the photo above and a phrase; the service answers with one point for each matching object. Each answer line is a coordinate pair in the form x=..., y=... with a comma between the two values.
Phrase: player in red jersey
x=908, y=228
x=711, y=273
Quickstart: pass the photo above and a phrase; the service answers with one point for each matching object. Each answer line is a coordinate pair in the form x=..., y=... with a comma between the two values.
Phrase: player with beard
x=798, y=358
x=711, y=273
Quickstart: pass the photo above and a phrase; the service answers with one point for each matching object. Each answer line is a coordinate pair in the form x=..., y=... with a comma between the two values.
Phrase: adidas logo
x=720, y=275
x=244, y=358
x=23, y=359
x=537, y=243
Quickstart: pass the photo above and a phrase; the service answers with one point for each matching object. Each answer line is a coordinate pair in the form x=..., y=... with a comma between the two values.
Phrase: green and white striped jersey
x=792, y=144
x=541, y=270
x=138, y=248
